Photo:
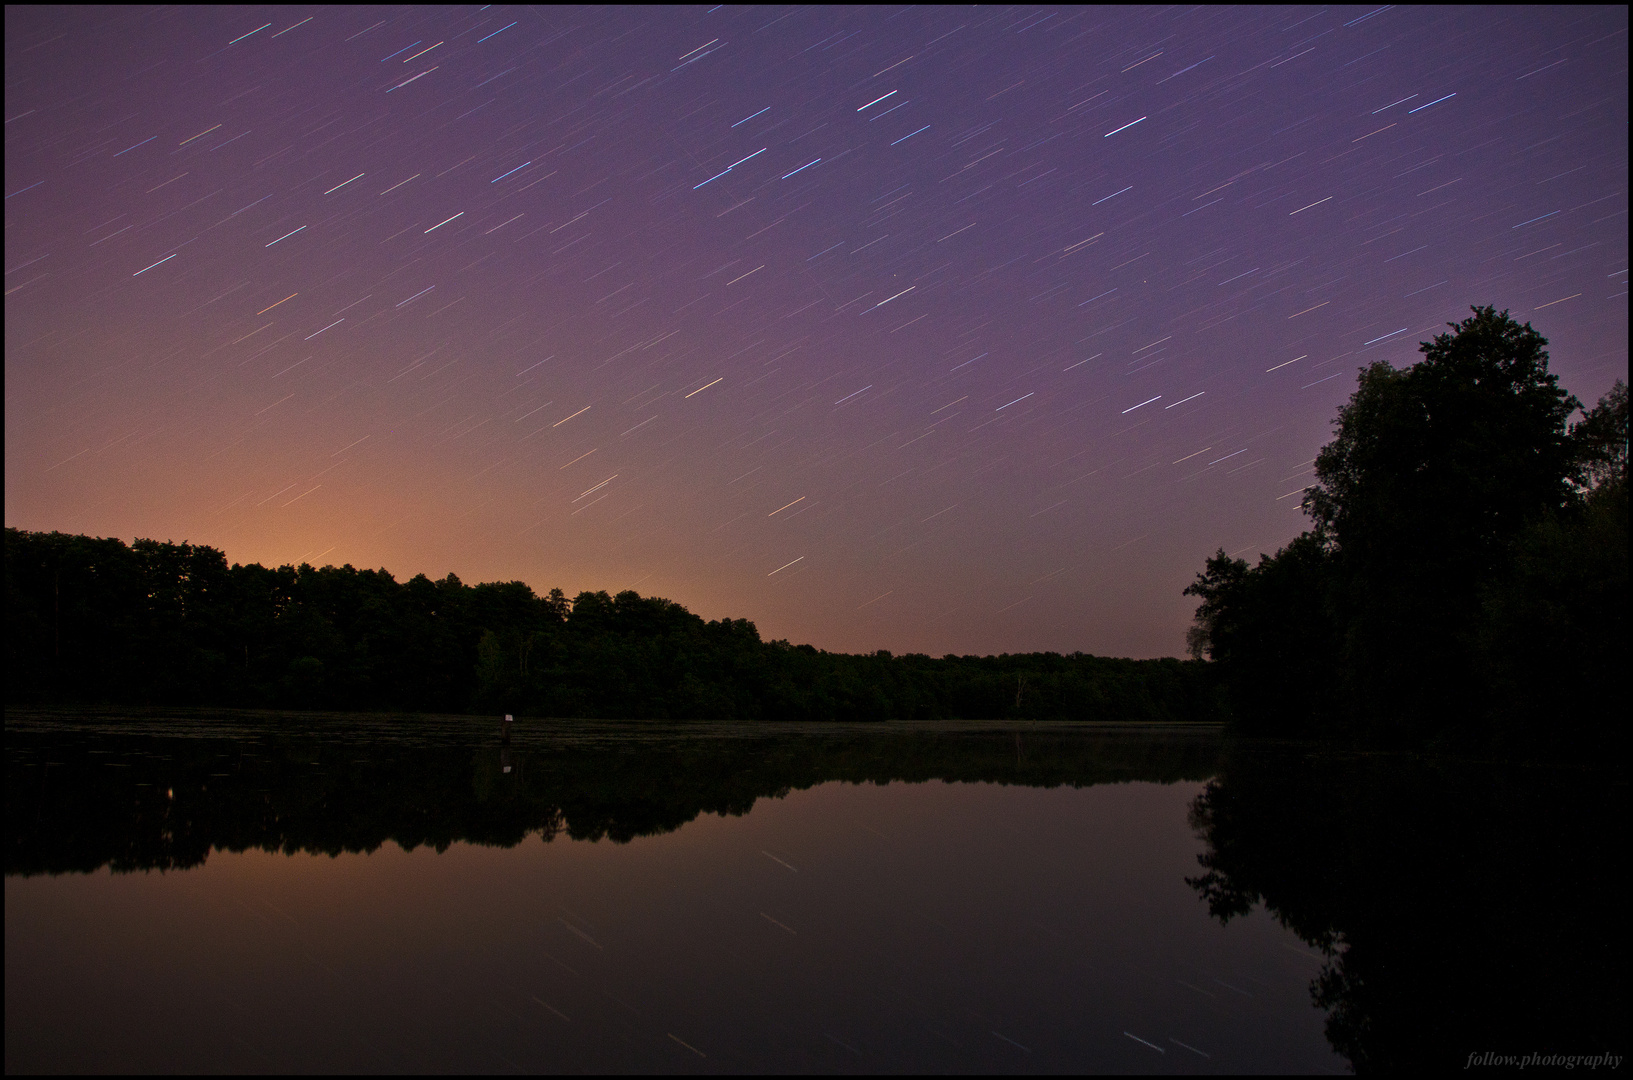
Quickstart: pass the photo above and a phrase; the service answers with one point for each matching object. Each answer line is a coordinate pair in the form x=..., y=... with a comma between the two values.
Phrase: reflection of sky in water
x=842, y=928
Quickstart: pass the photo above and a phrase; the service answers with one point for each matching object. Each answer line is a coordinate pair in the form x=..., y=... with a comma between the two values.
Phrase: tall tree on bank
x=1553, y=632
x=1432, y=474
x=1440, y=475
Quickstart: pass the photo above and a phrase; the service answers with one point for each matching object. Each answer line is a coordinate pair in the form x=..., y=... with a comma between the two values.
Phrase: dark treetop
x=1466, y=576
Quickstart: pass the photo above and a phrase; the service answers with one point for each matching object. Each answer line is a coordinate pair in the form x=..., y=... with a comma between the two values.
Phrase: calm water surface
x=306, y=893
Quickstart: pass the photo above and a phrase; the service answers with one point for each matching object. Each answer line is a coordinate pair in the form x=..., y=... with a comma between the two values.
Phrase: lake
x=214, y=891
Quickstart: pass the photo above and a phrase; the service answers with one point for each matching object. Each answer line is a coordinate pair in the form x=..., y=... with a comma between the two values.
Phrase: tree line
x=96, y=621
x=1464, y=582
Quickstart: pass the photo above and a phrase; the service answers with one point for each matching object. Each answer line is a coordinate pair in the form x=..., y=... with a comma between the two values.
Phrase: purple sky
x=921, y=329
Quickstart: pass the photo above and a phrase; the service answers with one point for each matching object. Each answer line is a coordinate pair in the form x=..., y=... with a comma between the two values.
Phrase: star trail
x=927, y=329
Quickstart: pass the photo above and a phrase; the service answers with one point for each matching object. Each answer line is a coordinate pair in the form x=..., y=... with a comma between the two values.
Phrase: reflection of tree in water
x=1463, y=908
x=78, y=800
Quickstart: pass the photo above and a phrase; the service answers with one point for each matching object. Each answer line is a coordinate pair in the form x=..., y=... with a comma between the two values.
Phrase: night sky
x=921, y=329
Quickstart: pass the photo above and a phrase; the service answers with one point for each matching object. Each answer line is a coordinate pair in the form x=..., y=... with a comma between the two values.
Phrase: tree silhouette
x=1453, y=507
x=93, y=621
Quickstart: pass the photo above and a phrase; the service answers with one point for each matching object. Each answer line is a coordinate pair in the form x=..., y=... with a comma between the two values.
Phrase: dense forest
x=94, y=621
x=1464, y=583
